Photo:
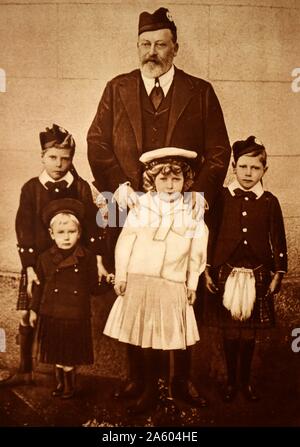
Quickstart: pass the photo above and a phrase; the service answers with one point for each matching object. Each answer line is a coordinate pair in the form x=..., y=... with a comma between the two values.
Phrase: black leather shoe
x=59, y=375
x=187, y=392
x=250, y=393
x=59, y=390
x=68, y=394
x=229, y=393
x=131, y=390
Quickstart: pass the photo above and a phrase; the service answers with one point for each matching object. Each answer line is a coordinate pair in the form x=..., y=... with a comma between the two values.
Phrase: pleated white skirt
x=153, y=313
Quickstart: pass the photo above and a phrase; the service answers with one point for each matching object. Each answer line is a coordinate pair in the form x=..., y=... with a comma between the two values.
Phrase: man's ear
x=233, y=164
x=265, y=169
x=51, y=233
x=176, y=47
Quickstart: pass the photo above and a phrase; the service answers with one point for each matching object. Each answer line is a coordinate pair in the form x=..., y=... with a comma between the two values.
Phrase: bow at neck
x=56, y=186
x=242, y=193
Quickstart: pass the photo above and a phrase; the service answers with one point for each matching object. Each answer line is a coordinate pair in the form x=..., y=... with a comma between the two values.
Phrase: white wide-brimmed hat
x=164, y=152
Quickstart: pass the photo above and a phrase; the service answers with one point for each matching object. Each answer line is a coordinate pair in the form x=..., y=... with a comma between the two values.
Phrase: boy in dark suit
x=57, y=180
x=247, y=258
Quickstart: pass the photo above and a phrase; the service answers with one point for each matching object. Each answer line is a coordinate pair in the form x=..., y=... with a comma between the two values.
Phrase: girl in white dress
x=160, y=254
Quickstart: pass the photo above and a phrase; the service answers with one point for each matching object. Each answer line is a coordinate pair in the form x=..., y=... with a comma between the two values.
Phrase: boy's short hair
x=251, y=147
x=57, y=137
x=60, y=218
x=167, y=166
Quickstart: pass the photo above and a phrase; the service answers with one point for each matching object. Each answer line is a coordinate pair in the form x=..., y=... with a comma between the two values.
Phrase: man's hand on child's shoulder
x=125, y=197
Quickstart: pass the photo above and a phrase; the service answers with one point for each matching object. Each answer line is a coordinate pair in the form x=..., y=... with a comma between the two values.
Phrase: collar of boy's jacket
x=63, y=259
x=257, y=189
x=44, y=178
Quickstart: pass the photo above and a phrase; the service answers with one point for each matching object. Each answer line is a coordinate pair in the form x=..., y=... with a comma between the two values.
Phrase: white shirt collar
x=44, y=178
x=165, y=81
x=257, y=189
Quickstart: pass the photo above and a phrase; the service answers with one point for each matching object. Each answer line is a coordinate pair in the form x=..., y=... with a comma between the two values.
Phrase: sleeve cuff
x=95, y=244
x=192, y=282
x=28, y=256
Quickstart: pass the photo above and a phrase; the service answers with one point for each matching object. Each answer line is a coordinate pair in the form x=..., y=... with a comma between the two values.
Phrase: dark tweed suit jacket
x=115, y=140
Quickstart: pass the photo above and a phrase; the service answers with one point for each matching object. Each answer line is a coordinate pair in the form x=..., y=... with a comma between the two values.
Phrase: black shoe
x=187, y=392
x=59, y=375
x=250, y=393
x=58, y=392
x=131, y=390
x=229, y=393
x=67, y=394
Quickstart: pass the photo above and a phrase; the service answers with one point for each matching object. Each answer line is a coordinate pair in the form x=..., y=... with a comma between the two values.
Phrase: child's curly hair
x=166, y=166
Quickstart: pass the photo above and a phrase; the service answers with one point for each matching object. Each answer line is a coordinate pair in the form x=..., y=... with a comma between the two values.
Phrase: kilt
x=23, y=298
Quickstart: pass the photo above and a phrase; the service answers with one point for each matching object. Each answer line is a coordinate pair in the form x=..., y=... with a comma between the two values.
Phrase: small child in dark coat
x=247, y=258
x=68, y=276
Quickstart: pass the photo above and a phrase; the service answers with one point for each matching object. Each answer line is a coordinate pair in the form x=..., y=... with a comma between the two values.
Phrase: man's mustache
x=153, y=59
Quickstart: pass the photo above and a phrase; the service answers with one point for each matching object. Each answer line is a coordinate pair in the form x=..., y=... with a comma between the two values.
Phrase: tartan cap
x=243, y=147
x=160, y=19
x=57, y=137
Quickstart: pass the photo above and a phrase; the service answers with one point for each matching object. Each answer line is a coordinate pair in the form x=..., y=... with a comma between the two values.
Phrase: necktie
x=241, y=193
x=157, y=94
x=56, y=186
